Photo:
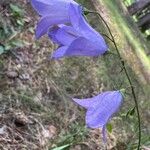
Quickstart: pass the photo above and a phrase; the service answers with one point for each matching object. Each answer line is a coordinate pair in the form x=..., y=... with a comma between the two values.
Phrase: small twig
x=107, y=37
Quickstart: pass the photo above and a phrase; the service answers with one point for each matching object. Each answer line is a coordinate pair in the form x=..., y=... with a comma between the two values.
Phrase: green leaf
x=17, y=43
x=130, y=112
x=20, y=22
x=61, y=147
x=2, y=49
x=16, y=10
x=109, y=127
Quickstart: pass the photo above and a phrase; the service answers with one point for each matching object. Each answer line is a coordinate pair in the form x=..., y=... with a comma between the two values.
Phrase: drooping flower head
x=100, y=109
x=52, y=12
x=78, y=39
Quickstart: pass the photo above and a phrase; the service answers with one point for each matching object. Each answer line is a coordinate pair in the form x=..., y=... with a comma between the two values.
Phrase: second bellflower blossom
x=52, y=12
x=79, y=39
x=101, y=108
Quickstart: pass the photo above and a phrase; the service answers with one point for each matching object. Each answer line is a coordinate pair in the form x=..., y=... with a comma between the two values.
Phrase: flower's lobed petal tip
x=41, y=6
x=75, y=13
x=75, y=100
x=40, y=28
x=86, y=103
x=53, y=57
x=38, y=33
x=34, y=4
x=78, y=101
x=77, y=7
x=60, y=52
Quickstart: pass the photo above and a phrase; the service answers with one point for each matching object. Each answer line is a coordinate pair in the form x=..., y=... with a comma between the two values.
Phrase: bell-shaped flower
x=52, y=12
x=79, y=39
x=101, y=108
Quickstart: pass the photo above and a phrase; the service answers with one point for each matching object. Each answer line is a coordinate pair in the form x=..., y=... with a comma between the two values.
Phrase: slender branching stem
x=107, y=37
x=127, y=75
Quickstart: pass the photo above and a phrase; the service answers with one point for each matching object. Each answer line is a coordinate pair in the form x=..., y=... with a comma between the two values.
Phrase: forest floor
x=35, y=113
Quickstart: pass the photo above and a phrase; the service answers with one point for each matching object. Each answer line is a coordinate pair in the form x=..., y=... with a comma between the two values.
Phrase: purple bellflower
x=52, y=12
x=100, y=109
x=79, y=39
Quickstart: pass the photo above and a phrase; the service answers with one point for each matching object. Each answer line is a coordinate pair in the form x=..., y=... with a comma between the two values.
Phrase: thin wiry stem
x=127, y=75
x=107, y=37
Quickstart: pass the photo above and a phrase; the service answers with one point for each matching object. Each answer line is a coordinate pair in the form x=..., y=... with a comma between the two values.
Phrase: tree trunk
x=138, y=6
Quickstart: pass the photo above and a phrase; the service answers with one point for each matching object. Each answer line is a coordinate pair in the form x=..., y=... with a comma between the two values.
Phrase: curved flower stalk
x=100, y=109
x=79, y=39
x=52, y=12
